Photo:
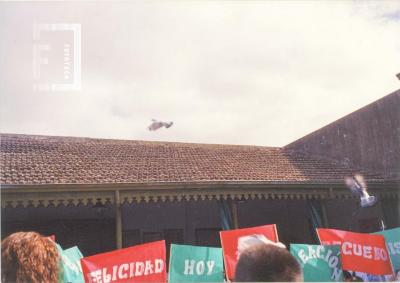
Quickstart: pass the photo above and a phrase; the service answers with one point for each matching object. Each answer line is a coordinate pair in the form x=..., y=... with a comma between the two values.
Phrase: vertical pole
x=234, y=214
x=324, y=214
x=397, y=197
x=118, y=220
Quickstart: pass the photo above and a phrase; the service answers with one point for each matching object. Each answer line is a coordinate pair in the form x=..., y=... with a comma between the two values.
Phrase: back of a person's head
x=267, y=263
x=29, y=257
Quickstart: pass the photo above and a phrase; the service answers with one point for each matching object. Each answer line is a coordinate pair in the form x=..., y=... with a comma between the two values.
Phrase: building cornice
x=87, y=194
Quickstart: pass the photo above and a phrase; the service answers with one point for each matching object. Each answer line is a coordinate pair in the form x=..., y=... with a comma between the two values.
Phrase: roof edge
x=80, y=138
x=188, y=185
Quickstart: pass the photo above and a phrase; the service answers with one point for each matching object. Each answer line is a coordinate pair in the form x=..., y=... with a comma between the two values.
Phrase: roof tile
x=29, y=159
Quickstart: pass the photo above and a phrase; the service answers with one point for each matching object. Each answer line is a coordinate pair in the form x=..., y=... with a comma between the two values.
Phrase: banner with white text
x=360, y=252
x=195, y=264
x=319, y=263
x=142, y=263
x=392, y=238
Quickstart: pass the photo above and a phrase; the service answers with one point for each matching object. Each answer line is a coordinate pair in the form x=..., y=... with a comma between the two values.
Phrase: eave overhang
x=27, y=195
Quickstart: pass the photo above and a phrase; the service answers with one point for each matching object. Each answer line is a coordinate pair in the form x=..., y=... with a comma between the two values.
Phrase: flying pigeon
x=358, y=186
x=155, y=125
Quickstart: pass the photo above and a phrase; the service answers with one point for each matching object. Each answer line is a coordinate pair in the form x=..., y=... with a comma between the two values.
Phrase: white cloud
x=258, y=72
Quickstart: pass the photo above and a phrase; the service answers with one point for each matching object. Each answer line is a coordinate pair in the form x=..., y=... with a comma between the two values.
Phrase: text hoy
x=126, y=271
x=199, y=268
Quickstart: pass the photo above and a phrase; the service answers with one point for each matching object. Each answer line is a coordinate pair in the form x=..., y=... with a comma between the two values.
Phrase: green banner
x=71, y=265
x=392, y=238
x=195, y=264
x=319, y=263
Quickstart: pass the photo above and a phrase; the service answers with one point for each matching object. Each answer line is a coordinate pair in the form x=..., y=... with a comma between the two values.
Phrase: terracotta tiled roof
x=28, y=159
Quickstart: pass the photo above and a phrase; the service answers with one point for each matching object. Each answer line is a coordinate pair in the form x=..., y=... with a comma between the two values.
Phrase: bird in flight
x=155, y=125
x=358, y=186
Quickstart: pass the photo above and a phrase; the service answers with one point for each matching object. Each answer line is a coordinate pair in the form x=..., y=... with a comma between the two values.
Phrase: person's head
x=267, y=263
x=351, y=277
x=29, y=257
x=347, y=277
x=247, y=241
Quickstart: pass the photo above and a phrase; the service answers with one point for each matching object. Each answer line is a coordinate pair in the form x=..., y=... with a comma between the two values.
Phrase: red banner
x=229, y=241
x=142, y=263
x=360, y=252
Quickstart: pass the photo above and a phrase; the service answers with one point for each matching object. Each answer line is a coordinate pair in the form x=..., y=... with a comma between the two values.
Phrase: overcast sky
x=259, y=73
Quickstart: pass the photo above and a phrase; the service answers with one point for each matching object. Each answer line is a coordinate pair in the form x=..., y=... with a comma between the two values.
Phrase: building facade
x=104, y=194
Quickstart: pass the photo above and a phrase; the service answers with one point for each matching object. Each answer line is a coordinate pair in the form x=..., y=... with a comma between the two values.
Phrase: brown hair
x=267, y=263
x=29, y=257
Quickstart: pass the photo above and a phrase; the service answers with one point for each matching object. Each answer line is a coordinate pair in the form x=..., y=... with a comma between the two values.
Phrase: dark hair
x=351, y=277
x=347, y=276
x=267, y=263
